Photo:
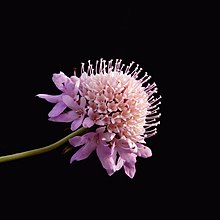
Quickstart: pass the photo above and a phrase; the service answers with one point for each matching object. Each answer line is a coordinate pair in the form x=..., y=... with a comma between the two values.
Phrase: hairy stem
x=42, y=150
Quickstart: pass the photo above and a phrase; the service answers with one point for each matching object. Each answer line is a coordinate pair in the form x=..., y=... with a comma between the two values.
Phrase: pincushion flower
x=116, y=108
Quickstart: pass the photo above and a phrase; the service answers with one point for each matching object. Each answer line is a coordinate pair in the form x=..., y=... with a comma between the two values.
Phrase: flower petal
x=110, y=172
x=82, y=102
x=108, y=136
x=69, y=101
x=65, y=117
x=143, y=151
x=72, y=86
x=120, y=163
x=50, y=98
x=130, y=169
x=76, y=123
x=83, y=152
x=80, y=140
x=59, y=80
x=100, y=130
x=104, y=154
x=57, y=109
x=100, y=122
x=76, y=141
x=126, y=155
x=88, y=122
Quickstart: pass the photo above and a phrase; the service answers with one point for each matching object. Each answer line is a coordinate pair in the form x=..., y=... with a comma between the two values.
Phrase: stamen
x=90, y=69
x=149, y=77
x=150, y=93
x=96, y=66
x=82, y=68
x=128, y=67
x=155, y=105
x=121, y=67
x=100, y=66
x=110, y=65
x=153, y=116
x=116, y=62
x=104, y=67
x=134, y=71
x=155, y=100
x=150, y=86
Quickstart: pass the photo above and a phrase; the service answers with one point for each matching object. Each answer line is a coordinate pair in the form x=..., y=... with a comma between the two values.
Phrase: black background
x=39, y=40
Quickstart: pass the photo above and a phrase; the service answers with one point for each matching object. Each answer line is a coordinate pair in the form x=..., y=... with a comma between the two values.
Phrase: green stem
x=42, y=150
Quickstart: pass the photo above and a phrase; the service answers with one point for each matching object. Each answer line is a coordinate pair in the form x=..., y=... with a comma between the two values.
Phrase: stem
x=41, y=150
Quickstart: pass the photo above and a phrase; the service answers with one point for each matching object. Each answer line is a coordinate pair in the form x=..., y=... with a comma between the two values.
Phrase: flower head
x=112, y=100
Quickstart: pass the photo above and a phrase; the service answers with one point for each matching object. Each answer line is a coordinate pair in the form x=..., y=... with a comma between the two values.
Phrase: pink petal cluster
x=112, y=100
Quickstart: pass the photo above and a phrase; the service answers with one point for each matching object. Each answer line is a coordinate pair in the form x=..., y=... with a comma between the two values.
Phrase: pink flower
x=69, y=98
x=95, y=141
x=120, y=112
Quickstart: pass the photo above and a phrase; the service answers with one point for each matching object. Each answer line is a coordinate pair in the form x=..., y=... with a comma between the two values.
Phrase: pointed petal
x=69, y=101
x=126, y=155
x=50, y=98
x=100, y=130
x=59, y=80
x=88, y=122
x=108, y=136
x=57, y=109
x=100, y=122
x=76, y=141
x=143, y=151
x=76, y=123
x=76, y=81
x=120, y=163
x=104, y=154
x=90, y=112
x=80, y=140
x=82, y=102
x=110, y=172
x=72, y=86
x=65, y=117
x=83, y=152
x=130, y=169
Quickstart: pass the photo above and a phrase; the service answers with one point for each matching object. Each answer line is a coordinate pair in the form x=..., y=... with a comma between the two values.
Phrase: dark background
x=39, y=40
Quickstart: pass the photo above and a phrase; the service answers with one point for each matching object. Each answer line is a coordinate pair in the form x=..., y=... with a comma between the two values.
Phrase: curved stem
x=42, y=150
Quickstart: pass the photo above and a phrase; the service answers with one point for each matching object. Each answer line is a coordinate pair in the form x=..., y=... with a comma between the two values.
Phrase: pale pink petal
x=50, y=98
x=120, y=163
x=143, y=151
x=82, y=102
x=104, y=154
x=69, y=101
x=126, y=155
x=65, y=117
x=88, y=122
x=100, y=130
x=108, y=136
x=76, y=123
x=130, y=169
x=59, y=80
x=57, y=109
x=83, y=152
x=110, y=172
x=80, y=140
x=114, y=152
x=76, y=81
x=90, y=112
x=76, y=141
x=72, y=86
x=100, y=122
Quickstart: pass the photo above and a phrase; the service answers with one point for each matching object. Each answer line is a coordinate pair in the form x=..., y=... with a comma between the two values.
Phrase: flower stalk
x=42, y=150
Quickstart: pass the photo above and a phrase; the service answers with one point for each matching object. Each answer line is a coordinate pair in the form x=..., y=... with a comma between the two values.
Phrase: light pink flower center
x=120, y=100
